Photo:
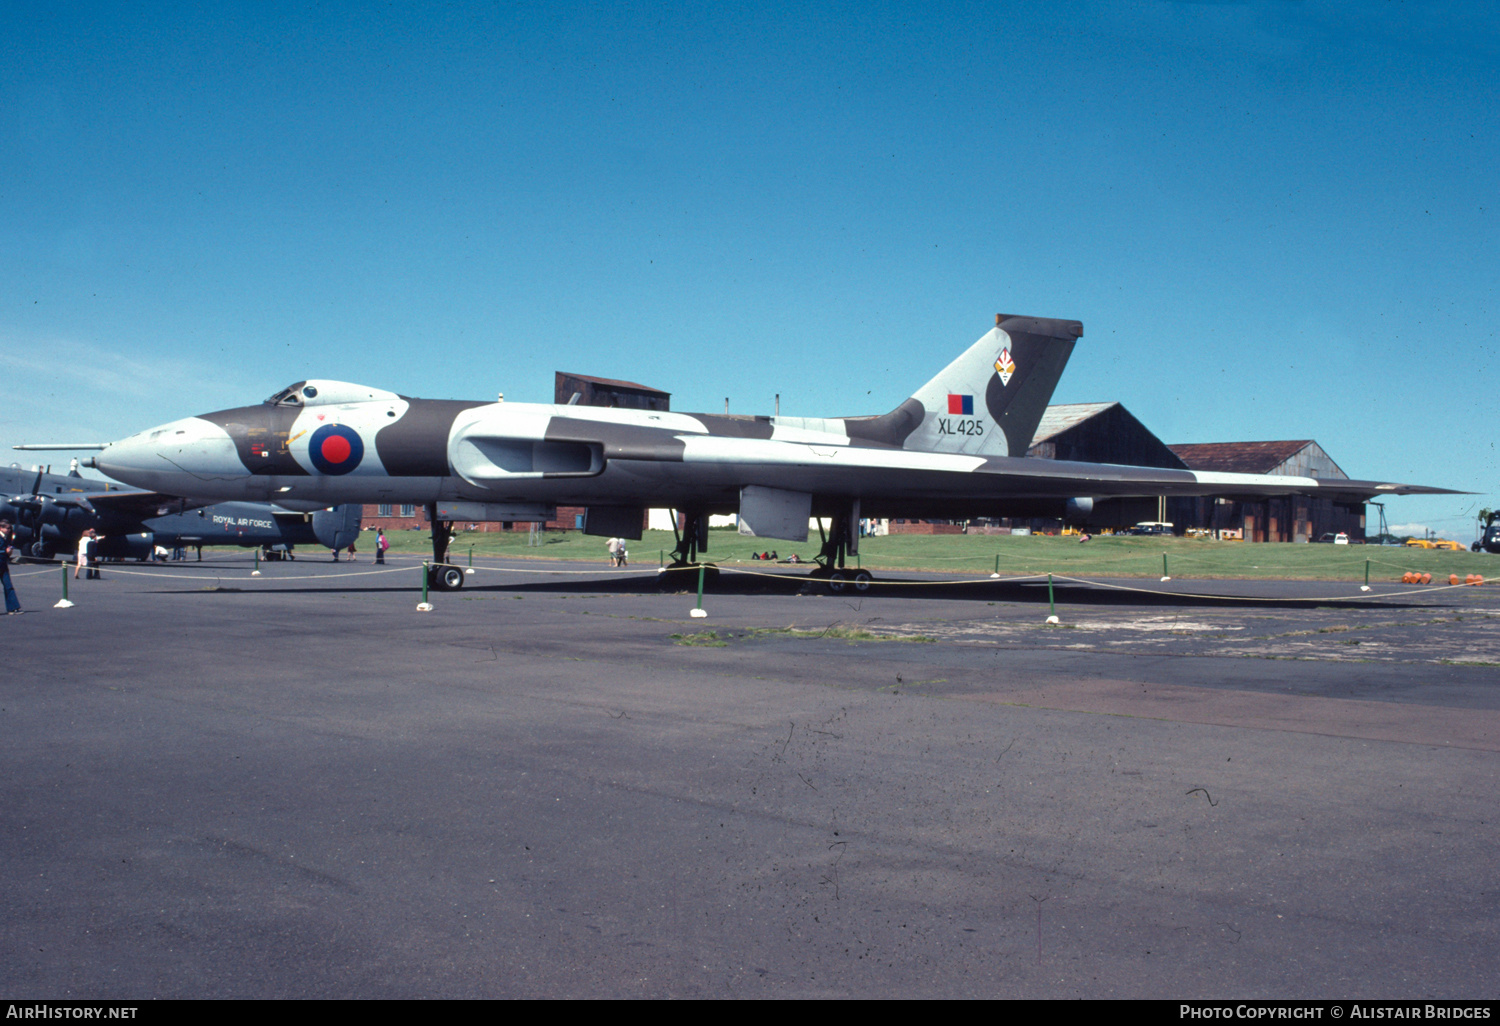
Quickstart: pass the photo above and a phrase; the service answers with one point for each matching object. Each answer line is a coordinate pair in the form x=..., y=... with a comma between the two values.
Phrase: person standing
x=12, y=604
x=381, y=544
x=96, y=541
x=84, y=540
x=614, y=551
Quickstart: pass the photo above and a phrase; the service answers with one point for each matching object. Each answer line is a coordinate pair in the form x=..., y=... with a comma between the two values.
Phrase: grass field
x=979, y=555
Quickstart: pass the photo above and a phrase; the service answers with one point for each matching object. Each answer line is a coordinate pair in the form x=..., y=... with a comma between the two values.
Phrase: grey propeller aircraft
x=51, y=511
x=955, y=448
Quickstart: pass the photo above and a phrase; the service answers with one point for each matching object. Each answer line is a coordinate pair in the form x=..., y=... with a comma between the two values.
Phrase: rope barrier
x=884, y=583
x=29, y=573
x=115, y=569
x=949, y=582
x=651, y=570
x=1253, y=598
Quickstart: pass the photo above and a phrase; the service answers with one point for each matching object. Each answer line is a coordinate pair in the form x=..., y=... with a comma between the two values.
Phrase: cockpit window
x=291, y=395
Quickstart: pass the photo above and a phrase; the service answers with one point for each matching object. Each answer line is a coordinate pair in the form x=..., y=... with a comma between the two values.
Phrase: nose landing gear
x=441, y=575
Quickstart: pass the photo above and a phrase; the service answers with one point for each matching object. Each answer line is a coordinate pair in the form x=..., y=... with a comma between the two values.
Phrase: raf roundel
x=335, y=449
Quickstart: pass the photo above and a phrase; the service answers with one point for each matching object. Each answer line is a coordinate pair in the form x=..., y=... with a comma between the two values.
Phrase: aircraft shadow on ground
x=1031, y=592
x=1025, y=592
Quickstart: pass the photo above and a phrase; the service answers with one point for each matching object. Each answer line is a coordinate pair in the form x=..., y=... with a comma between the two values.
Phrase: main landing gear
x=682, y=573
x=442, y=576
x=841, y=540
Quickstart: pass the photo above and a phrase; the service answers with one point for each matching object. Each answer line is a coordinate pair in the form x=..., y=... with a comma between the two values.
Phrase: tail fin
x=989, y=401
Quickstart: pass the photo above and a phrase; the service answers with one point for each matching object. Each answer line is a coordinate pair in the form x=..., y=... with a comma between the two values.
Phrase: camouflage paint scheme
x=945, y=452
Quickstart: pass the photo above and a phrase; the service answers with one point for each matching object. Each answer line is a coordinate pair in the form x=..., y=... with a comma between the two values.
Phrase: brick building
x=414, y=518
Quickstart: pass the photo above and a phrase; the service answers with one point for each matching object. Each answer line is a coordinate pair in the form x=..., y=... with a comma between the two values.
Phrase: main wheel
x=447, y=578
x=862, y=580
x=838, y=580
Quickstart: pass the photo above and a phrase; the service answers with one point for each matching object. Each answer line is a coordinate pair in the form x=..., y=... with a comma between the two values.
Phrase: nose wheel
x=440, y=575
x=445, y=578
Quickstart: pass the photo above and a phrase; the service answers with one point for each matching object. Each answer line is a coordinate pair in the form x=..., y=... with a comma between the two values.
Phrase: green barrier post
x=699, y=610
x=63, y=603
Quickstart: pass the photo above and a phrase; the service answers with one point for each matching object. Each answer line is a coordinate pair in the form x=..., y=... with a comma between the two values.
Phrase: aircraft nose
x=184, y=457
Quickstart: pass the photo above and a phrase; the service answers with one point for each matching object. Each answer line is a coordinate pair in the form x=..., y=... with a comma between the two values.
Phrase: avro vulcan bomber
x=956, y=448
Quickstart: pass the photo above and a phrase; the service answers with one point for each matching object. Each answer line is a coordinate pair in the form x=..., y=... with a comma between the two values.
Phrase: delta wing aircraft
x=956, y=448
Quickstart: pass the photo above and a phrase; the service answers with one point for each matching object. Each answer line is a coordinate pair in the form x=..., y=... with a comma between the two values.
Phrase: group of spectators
x=618, y=554
x=88, y=561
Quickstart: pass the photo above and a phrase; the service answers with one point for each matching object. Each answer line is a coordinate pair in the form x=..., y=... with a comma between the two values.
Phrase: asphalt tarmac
x=563, y=785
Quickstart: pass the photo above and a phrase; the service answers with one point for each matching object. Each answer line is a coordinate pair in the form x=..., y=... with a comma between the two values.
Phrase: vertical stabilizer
x=989, y=401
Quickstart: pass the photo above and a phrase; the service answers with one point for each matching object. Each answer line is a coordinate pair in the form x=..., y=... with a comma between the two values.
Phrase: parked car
x=1150, y=527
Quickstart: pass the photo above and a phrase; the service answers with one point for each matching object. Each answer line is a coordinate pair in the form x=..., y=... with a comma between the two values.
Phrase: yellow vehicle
x=1419, y=543
x=1435, y=543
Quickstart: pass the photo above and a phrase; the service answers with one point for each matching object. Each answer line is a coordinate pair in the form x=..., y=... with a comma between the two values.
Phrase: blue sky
x=1275, y=220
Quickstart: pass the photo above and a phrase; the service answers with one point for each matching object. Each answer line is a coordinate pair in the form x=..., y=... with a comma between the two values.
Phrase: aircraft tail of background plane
x=989, y=401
